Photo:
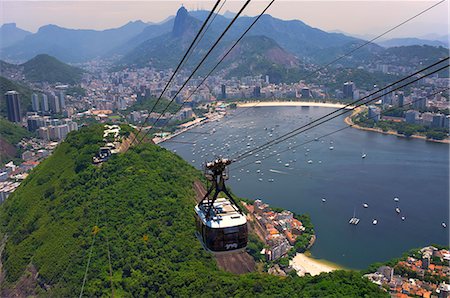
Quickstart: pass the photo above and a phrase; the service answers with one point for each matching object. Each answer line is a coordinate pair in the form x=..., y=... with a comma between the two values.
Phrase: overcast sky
x=355, y=17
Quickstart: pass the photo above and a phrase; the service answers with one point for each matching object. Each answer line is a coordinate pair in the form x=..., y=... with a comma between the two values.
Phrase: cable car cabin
x=226, y=227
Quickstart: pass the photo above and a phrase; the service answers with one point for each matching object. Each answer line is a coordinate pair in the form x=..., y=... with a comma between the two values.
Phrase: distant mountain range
x=272, y=44
x=70, y=45
x=10, y=34
x=397, y=42
x=44, y=68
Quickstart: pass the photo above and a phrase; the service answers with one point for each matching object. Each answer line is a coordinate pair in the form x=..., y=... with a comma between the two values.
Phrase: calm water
x=415, y=171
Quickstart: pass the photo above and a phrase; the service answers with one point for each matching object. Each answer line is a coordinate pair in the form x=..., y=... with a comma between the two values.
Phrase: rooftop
x=224, y=215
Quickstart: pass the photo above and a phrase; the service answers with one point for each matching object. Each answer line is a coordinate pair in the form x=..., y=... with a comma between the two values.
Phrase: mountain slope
x=149, y=32
x=25, y=95
x=44, y=68
x=397, y=42
x=11, y=34
x=258, y=53
x=294, y=36
x=166, y=50
x=10, y=135
x=139, y=206
x=70, y=45
x=407, y=55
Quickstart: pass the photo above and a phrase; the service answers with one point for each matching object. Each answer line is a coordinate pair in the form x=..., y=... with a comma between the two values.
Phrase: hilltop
x=45, y=68
x=137, y=208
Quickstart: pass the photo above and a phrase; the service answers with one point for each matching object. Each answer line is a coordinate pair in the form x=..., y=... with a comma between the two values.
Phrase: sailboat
x=354, y=220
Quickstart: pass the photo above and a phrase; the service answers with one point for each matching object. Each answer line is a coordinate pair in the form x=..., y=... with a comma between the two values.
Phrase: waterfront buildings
x=348, y=89
x=374, y=113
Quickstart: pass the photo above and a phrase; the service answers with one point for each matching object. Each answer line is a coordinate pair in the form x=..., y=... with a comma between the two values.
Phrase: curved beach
x=291, y=104
x=306, y=264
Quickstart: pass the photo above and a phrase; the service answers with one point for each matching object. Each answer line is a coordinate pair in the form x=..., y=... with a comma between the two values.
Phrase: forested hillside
x=10, y=135
x=137, y=208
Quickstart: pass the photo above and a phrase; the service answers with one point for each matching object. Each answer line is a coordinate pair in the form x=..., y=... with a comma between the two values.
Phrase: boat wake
x=278, y=172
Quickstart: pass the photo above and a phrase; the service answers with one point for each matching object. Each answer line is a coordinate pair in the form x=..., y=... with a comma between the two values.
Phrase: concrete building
x=400, y=99
x=223, y=90
x=44, y=103
x=374, y=113
x=438, y=120
x=348, y=89
x=305, y=92
x=62, y=99
x=411, y=116
x=13, y=106
x=257, y=92
x=54, y=104
x=387, y=272
x=420, y=103
x=35, y=102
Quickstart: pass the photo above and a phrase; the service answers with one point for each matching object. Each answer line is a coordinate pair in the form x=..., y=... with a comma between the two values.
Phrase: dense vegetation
x=148, y=103
x=45, y=68
x=25, y=95
x=137, y=208
x=10, y=135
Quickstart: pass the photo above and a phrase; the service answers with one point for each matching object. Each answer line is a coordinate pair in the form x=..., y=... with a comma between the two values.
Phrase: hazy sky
x=356, y=17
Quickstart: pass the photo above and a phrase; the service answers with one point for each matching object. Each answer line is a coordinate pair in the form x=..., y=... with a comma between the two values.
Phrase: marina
x=336, y=181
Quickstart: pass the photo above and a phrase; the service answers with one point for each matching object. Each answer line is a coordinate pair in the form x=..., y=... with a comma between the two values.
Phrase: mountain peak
x=181, y=22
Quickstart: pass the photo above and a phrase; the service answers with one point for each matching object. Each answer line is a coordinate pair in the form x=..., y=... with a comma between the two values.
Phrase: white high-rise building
x=45, y=103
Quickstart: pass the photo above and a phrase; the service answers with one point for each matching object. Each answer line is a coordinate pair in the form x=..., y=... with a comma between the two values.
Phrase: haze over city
x=224, y=149
x=362, y=18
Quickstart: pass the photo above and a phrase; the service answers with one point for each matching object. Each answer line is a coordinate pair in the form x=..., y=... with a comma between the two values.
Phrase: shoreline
x=348, y=120
x=304, y=263
x=291, y=104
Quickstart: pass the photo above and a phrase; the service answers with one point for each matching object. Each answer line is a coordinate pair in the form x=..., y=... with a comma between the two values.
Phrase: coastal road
x=235, y=262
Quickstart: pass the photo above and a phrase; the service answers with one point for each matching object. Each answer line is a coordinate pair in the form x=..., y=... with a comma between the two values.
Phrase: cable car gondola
x=221, y=224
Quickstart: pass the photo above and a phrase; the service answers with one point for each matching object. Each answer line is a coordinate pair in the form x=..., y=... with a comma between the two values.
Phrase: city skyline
x=359, y=18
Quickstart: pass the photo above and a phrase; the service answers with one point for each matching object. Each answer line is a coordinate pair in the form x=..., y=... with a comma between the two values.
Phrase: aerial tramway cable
x=177, y=68
x=333, y=61
x=223, y=57
x=200, y=64
x=335, y=131
x=346, y=108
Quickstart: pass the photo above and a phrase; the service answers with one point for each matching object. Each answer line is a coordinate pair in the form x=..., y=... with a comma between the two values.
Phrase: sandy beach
x=305, y=264
x=291, y=104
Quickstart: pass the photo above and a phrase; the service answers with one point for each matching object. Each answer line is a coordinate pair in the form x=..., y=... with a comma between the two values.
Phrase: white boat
x=270, y=180
x=365, y=205
x=444, y=225
x=310, y=161
x=260, y=179
x=397, y=210
x=354, y=220
x=364, y=155
x=396, y=199
x=286, y=165
x=324, y=200
x=258, y=162
x=331, y=148
x=403, y=218
x=374, y=222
